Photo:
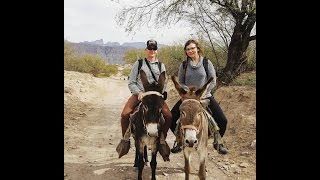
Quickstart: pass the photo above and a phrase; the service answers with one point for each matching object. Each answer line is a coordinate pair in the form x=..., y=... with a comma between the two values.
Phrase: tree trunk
x=237, y=59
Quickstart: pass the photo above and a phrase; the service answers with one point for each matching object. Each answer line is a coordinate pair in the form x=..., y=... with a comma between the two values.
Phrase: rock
x=165, y=174
x=244, y=153
x=236, y=170
x=244, y=165
x=226, y=167
x=253, y=144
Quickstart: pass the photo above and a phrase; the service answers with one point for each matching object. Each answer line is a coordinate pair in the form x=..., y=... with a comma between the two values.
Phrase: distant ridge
x=112, y=52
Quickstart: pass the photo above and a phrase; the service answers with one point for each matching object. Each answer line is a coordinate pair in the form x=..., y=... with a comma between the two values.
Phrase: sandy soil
x=92, y=132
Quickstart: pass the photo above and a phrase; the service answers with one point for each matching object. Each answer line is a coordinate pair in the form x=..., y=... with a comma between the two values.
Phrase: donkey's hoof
x=165, y=158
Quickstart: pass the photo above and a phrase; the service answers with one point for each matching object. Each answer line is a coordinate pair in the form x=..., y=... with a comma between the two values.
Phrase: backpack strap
x=184, y=66
x=154, y=77
x=159, y=66
x=205, y=65
x=140, y=65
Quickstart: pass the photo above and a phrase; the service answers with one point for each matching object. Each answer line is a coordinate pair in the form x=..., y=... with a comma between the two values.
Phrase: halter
x=152, y=92
x=190, y=126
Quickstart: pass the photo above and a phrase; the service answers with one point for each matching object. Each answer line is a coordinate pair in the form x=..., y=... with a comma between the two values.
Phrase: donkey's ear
x=200, y=91
x=143, y=78
x=180, y=90
x=162, y=79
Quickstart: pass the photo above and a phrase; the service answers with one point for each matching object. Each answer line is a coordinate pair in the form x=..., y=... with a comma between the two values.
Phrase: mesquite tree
x=228, y=24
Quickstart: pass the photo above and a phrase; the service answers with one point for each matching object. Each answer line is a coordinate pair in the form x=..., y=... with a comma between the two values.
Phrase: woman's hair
x=200, y=51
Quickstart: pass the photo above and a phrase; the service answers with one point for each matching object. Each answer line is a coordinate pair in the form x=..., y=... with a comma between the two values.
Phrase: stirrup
x=176, y=148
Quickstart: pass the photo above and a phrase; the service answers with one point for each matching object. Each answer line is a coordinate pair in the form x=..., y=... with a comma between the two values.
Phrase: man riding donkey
x=153, y=68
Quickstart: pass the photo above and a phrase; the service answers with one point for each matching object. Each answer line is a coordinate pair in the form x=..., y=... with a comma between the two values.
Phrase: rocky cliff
x=112, y=52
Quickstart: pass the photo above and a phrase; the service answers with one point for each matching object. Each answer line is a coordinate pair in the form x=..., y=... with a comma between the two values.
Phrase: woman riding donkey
x=195, y=71
x=153, y=68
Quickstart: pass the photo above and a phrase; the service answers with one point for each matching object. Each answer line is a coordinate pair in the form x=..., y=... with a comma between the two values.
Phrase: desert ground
x=92, y=108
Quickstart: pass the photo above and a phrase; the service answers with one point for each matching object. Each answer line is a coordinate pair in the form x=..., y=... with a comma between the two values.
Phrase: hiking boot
x=164, y=151
x=176, y=148
x=220, y=147
x=164, y=148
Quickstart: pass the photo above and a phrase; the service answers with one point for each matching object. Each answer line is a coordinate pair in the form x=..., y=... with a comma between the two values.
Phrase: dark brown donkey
x=147, y=123
x=194, y=126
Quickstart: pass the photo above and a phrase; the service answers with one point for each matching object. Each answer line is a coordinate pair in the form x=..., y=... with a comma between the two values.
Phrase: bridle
x=189, y=126
x=146, y=94
x=151, y=92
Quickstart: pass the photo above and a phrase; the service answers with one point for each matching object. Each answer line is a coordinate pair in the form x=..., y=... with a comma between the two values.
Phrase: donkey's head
x=191, y=112
x=152, y=102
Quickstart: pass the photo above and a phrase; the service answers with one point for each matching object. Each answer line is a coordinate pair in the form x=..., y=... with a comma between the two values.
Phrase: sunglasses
x=150, y=48
x=192, y=48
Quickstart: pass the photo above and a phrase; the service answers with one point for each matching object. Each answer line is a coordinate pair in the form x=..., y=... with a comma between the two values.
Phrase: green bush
x=133, y=55
x=109, y=69
x=90, y=63
x=87, y=63
x=126, y=71
x=69, y=56
x=171, y=56
x=251, y=54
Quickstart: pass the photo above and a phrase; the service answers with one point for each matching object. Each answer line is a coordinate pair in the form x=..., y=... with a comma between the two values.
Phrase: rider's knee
x=125, y=117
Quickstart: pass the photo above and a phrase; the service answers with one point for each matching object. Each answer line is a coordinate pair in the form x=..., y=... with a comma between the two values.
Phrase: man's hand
x=140, y=96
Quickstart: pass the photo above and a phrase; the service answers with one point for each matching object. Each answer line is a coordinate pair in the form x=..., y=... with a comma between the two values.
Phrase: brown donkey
x=194, y=126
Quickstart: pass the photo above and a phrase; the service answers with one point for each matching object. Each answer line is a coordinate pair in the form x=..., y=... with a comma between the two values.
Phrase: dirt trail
x=92, y=132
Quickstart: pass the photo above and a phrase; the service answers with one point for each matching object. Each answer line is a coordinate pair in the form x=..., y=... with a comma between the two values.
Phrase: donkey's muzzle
x=152, y=129
x=190, y=138
x=191, y=143
x=153, y=134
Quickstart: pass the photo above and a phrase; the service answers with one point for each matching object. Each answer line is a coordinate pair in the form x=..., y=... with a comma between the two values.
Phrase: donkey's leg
x=139, y=157
x=136, y=158
x=202, y=158
x=140, y=164
x=153, y=165
x=186, y=163
x=145, y=154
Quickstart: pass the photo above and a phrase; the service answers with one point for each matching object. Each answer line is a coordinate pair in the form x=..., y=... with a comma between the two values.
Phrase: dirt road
x=92, y=132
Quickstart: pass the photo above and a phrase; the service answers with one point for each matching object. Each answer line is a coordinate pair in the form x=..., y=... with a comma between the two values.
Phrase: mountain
x=112, y=52
x=138, y=45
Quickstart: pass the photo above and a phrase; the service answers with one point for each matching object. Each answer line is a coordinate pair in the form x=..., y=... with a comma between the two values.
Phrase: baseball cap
x=152, y=43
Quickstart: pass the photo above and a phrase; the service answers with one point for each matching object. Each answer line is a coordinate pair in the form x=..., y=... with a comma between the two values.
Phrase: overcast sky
x=89, y=20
